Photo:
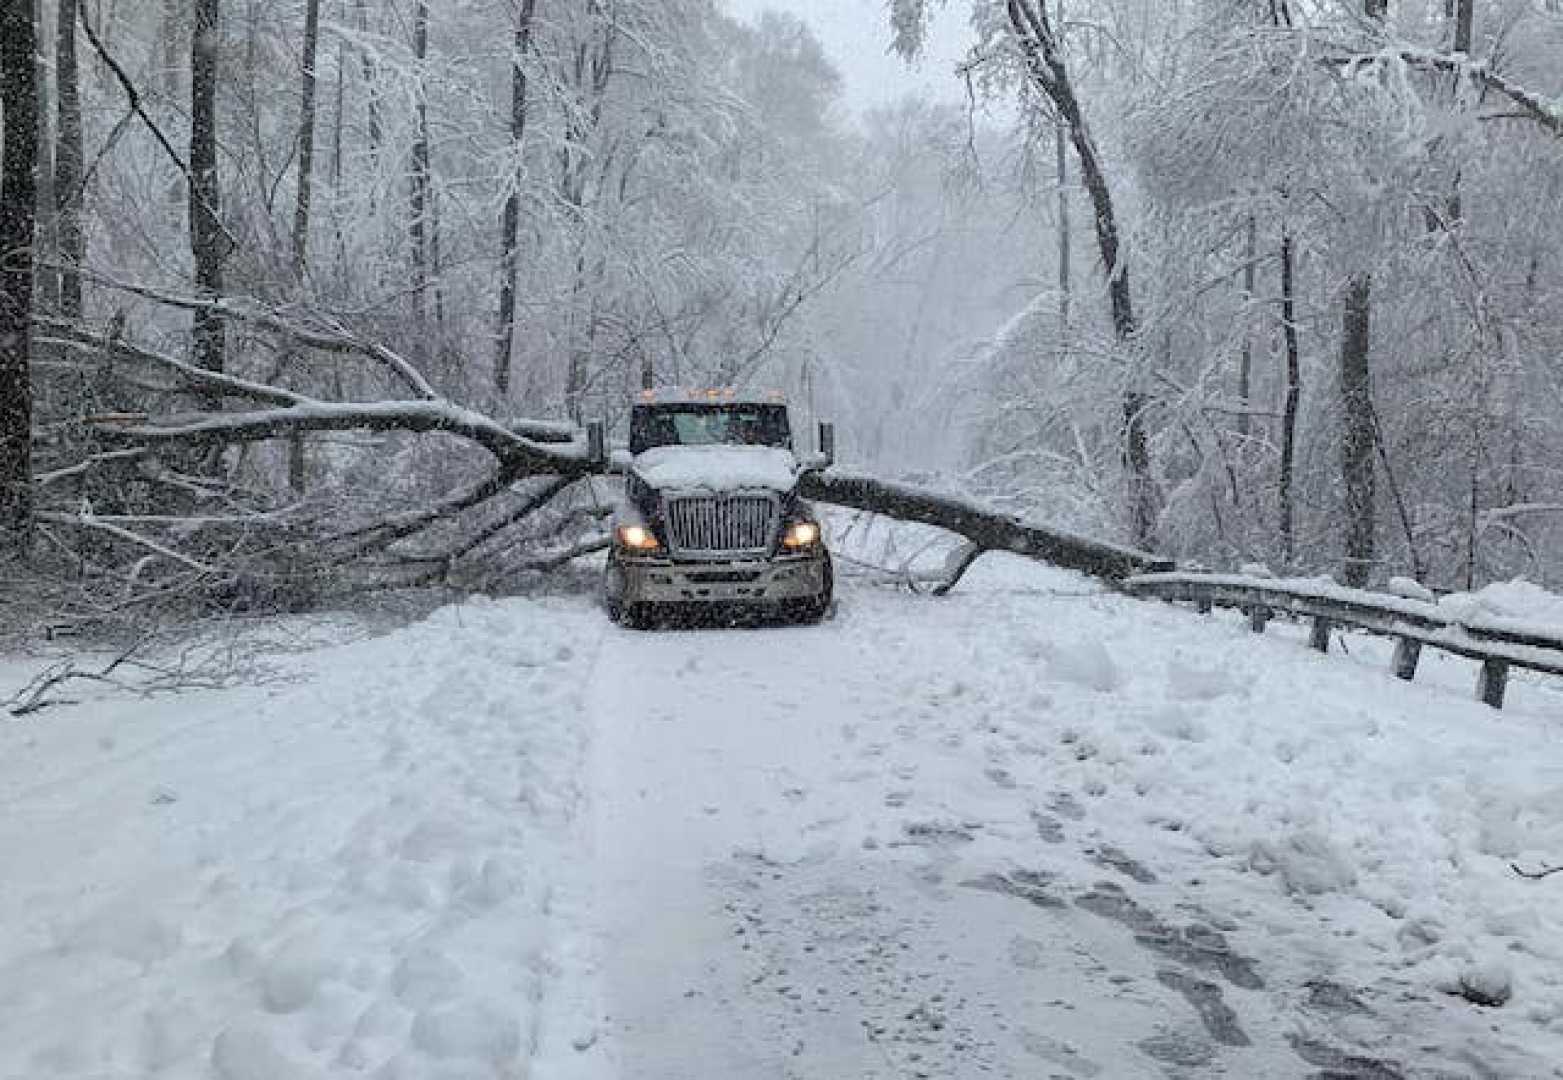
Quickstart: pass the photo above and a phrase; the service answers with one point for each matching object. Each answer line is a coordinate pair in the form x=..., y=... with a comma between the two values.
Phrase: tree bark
x=46, y=286
x=1464, y=12
x=1245, y=368
x=1293, y=399
x=986, y=529
x=297, y=461
x=1357, y=428
x=68, y=161
x=371, y=87
x=1045, y=65
x=208, y=240
x=1357, y=442
x=1065, y=253
x=510, y=227
x=306, y=139
x=418, y=201
x=18, y=219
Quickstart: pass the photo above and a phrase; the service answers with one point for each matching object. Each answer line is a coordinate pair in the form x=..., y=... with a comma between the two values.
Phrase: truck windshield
x=723, y=424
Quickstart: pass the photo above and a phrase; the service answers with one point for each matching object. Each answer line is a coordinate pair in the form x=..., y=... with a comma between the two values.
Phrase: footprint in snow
x=1065, y=806
x=1000, y=777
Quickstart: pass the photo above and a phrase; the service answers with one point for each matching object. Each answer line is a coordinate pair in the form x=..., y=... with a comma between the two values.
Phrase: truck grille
x=722, y=524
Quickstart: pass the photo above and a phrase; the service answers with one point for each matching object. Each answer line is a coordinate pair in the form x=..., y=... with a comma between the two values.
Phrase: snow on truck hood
x=717, y=468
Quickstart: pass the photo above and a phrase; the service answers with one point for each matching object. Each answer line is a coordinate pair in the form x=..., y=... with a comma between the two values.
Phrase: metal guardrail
x=1498, y=645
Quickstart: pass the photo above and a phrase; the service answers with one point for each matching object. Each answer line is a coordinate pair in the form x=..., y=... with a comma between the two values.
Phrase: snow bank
x=1516, y=604
x=1350, y=826
x=359, y=871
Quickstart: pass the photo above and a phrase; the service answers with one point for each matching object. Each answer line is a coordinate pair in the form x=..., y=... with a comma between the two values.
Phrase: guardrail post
x=1258, y=617
x=1319, y=637
x=1407, y=653
x=1492, y=682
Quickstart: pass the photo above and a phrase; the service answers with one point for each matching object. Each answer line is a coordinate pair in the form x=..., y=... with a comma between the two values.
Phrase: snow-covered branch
x=518, y=455
x=1543, y=111
x=331, y=338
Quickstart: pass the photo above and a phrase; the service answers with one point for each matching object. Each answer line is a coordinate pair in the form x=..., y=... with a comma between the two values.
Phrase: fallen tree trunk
x=136, y=531
x=986, y=529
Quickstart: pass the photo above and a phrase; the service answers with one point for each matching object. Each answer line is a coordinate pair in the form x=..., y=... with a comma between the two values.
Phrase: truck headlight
x=801, y=534
x=637, y=538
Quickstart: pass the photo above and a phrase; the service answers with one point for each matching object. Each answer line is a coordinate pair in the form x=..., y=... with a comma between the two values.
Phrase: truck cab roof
x=713, y=395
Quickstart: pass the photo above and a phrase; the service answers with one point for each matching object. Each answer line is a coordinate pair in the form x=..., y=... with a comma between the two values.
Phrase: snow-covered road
x=806, y=870
x=1030, y=830
x=989, y=838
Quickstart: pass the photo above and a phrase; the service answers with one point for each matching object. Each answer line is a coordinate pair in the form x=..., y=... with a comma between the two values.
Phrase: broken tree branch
x=986, y=529
x=516, y=453
x=333, y=338
x=53, y=331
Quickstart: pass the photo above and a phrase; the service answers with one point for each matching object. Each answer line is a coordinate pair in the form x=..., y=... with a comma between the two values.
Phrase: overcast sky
x=856, y=34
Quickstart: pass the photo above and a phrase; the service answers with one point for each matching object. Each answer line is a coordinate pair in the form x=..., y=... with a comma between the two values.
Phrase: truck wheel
x=613, y=595
x=814, y=610
x=629, y=616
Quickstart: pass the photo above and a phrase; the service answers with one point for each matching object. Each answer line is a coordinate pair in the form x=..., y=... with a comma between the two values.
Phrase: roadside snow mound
x=1517, y=602
x=1356, y=827
x=357, y=874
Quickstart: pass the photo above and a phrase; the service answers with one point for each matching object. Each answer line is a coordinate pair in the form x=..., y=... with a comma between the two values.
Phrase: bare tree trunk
x=371, y=87
x=510, y=227
x=984, y=528
x=593, y=70
x=1061, y=172
x=68, y=161
x=1045, y=65
x=18, y=210
x=339, y=100
x=1245, y=368
x=418, y=202
x=1357, y=428
x=1474, y=507
x=1464, y=13
x=1357, y=472
x=306, y=139
x=207, y=240
x=297, y=465
x=1293, y=399
x=46, y=286
x=338, y=128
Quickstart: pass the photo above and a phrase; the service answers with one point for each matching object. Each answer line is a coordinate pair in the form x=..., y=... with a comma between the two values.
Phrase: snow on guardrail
x=1464, y=624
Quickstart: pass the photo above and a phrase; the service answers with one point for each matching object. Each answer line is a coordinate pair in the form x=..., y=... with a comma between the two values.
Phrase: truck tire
x=814, y=610
x=626, y=615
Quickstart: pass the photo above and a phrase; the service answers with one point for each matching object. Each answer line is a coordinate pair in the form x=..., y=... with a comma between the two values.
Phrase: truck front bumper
x=759, y=581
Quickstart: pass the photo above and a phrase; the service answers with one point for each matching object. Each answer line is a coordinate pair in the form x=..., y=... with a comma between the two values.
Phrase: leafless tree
x=18, y=194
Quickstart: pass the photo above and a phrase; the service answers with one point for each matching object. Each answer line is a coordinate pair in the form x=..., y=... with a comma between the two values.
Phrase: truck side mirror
x=596, y=444
x=827, y=444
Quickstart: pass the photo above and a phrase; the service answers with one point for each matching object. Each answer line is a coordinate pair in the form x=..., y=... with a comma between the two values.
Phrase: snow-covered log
x=989, y=530
x=518, y=455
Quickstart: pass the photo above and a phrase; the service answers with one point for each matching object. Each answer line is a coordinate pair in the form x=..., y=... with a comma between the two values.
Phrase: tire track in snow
x=800, y=851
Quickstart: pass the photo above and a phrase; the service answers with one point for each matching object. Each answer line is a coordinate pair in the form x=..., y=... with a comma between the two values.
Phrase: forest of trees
x=309, y=293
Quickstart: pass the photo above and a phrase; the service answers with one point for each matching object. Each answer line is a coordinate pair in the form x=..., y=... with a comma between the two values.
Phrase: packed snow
x=717, y=468
x=1030, y=829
